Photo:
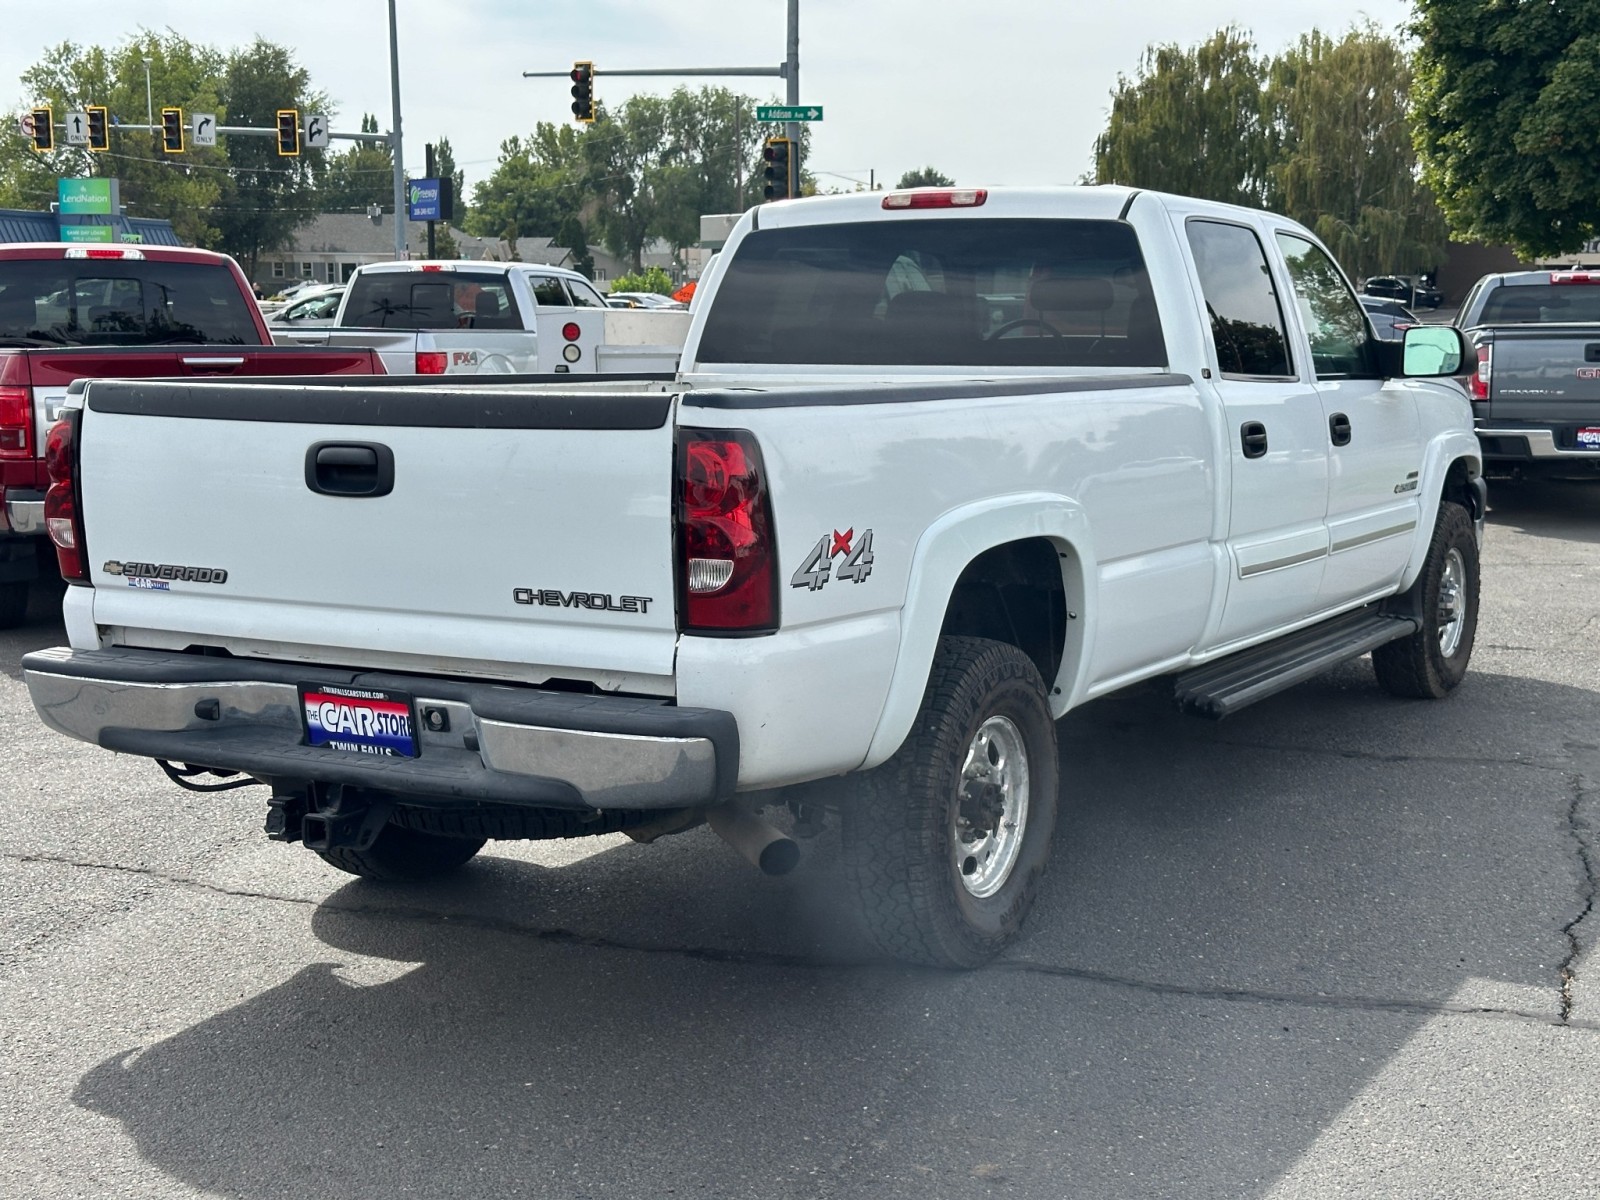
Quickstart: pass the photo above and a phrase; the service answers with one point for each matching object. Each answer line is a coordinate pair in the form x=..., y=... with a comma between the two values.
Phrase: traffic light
x=583, y=92
x=779, y=155
x=44, y=129
x=288, y=132
x=99, y=130
x=172, y=130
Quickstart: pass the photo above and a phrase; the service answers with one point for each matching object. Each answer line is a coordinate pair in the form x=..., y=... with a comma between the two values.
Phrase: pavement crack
x=1578, y=828
x=1410, y=1006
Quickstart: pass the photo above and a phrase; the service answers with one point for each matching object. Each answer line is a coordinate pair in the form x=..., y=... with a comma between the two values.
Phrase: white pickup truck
x=941, y=465
x=493, y=318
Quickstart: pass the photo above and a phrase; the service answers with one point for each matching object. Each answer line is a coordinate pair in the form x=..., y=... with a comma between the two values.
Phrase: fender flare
x=942, y=553
x=1442, y=453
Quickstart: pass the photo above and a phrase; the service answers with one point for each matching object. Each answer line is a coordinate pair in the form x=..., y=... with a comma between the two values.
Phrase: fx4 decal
x=817, y=568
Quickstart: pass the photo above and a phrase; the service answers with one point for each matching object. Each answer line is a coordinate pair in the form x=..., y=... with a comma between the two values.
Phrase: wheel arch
x=1452, y=472
x=1017, y=569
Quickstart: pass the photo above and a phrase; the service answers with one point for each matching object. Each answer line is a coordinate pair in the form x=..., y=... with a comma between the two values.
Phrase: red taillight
x=727, y=567
x=937, y=198
x=570, y=331
x=62, y=520
x=432, y=362
x=1479, y=383
x=1574, y=277
x=16, y=408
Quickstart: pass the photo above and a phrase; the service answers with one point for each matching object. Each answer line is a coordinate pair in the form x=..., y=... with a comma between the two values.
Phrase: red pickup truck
x=70, y=312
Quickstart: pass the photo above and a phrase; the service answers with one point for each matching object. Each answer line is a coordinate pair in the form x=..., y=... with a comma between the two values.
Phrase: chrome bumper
x=1541, y=443
x=25, y=516
x=476, y=742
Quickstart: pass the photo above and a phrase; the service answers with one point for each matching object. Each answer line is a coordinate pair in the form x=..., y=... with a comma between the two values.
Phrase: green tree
x=925, y=177
x=537, y=185
x=1190, y=122
x=1507, y=101
x=266, y=197
x=352, y=179
x=444, y=163
x=1342, y=159
x=185, y=189
x=651, y=279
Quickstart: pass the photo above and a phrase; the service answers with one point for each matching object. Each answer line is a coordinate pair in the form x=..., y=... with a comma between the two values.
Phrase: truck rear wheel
x=946, y=842
x=404, y=854
x=1431, y=662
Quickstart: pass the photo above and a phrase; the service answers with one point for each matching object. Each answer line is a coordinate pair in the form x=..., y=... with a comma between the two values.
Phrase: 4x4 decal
x=818, y=566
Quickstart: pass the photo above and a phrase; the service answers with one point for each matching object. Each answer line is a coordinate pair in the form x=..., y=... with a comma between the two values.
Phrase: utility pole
x=394, y=140
x=428, y=173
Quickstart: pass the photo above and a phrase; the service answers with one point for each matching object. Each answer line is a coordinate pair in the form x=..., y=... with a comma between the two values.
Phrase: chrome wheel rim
x=1450, y=613
x=991, y=812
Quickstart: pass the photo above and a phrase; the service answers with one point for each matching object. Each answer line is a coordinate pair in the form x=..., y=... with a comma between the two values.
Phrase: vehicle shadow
x=42, y=628
x=1556, y=509
x=1245, y=922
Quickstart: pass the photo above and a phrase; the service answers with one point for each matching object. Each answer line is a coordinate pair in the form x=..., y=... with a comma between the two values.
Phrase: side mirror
x=1434, y=351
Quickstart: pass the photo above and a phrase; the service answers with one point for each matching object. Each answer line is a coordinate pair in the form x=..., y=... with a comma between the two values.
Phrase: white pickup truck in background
x=940, y=466
x=492, y=318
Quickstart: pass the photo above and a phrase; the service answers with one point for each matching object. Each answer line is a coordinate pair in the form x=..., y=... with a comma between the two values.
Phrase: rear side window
x=937, y=292
x=1541, y=303
x=122, y=302
x=1241, y=300
x=430, y=300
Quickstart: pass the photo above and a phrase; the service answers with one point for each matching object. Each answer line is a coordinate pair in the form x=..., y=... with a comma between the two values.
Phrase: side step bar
x=1226, y=686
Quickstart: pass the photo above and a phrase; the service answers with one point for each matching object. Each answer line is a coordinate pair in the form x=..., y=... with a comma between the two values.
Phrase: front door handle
x=1253, y=439
x=1339, y=429
x=350, y=469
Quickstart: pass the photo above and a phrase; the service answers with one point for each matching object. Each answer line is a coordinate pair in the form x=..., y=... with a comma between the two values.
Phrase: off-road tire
x=404, y=855
x=1417, y=667
x=13, y=603
x=511, y=823
x=899, y=821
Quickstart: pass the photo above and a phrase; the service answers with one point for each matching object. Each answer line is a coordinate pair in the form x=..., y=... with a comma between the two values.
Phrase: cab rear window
x=1542, y=303
x=127, y=302
x=938, y=292
x=430, y=300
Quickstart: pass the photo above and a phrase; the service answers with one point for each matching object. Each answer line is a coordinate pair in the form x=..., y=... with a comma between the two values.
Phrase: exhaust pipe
x=764, y=845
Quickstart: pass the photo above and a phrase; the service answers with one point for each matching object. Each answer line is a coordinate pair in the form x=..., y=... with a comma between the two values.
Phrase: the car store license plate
x=1589, y=437
x=359, y=720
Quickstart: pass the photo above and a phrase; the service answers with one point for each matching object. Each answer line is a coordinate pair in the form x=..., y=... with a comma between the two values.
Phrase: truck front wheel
x=946, y=842
x=1428, y=664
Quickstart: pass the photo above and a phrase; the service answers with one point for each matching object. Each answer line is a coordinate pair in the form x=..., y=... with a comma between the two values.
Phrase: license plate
x=360, y=720
x=1589, y=437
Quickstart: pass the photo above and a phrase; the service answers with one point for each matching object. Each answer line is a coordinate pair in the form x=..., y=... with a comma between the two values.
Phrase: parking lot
x=1338, y=945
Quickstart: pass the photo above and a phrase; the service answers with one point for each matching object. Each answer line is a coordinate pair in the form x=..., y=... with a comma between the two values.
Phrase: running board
x=1226, y=686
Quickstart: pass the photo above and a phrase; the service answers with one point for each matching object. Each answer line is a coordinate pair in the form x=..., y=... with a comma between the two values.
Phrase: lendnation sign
x=784, y=112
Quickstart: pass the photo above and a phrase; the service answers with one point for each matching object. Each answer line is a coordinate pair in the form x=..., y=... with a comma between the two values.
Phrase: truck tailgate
x=1549, y=373
x=530, y=530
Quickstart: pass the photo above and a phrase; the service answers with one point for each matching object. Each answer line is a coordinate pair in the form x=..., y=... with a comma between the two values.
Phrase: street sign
x=205, y=129
x=77, y=128
x=785, y=112
x=316, y=132
x=25, y=125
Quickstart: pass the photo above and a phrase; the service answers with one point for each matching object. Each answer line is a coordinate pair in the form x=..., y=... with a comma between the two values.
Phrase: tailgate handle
x=213, y=363
x=350, y=469
x=1591, y=352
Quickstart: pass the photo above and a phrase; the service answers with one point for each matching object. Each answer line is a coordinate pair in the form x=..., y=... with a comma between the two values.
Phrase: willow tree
x=1190, y=122
x=1342, y=158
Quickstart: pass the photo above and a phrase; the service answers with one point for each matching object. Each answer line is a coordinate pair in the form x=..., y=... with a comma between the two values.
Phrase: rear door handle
x=1253, y=439
x=1591, y=352
x=1339, y=429
x=358, y=469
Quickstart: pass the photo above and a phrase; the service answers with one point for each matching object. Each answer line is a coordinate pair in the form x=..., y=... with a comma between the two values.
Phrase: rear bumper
x=23, y=513
x=486, y=743
x=1525, y=442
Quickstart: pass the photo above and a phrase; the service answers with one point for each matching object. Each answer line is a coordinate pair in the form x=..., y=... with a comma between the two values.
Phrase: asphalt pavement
x=1338, y=945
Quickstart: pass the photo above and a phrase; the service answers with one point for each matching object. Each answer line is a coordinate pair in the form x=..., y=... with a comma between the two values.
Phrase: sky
x=988, y=94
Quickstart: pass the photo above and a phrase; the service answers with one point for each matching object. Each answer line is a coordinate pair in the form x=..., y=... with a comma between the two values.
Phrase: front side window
x=584, y=296
x=1241, y=300
x=1334, y=321
x=938, y=291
